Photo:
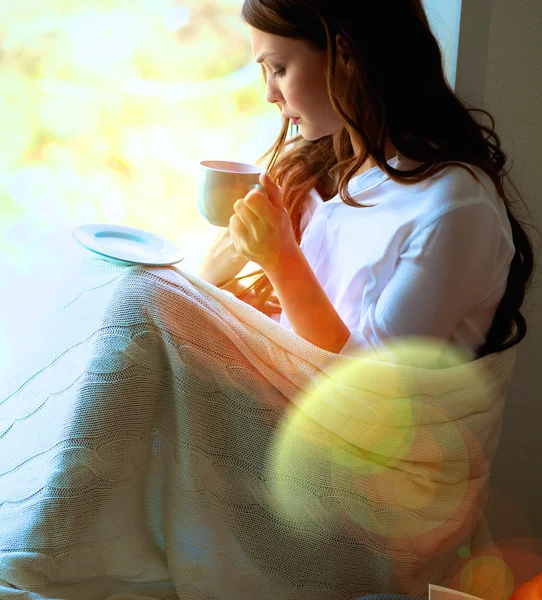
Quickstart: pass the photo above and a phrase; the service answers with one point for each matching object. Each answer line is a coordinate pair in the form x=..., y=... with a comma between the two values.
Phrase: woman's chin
x=312, y=135
x=306, y=133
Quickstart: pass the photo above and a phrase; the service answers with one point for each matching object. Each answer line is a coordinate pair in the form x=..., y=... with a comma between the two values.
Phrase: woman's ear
x=344, y=55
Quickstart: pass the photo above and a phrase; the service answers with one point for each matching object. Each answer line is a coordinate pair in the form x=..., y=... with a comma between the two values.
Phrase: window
x=107, y=109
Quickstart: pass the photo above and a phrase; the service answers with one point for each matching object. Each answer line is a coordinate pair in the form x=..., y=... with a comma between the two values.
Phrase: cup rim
x=224, y=164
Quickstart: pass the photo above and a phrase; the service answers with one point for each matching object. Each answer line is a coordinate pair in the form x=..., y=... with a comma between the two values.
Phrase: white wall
x=500, y=69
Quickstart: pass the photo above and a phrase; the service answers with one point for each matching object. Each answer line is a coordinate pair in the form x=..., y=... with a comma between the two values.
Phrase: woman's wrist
x=283, y=266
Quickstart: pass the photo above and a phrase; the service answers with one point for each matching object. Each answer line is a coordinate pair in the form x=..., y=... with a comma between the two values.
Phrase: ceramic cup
x=219, y=184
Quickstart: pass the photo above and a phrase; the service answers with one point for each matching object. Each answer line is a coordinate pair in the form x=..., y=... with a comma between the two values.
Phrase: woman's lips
x=295, y=120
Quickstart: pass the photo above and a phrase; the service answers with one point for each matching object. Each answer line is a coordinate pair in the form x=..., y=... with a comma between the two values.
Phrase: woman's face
x=296, y=81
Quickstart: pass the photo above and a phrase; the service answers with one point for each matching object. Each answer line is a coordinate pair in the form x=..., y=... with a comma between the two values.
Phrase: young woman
x=160, y=439
x=387, y=216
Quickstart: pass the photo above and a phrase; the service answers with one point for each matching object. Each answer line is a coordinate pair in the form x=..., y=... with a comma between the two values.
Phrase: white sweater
x=428, y=259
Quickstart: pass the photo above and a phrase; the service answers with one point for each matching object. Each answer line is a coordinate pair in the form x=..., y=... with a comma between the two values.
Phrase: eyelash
x=279, y=73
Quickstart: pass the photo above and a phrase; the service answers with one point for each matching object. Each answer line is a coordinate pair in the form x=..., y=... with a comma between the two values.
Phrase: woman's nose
x=273, y=94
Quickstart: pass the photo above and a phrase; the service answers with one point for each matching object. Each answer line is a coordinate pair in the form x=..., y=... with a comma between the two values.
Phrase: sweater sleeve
x=442, y=272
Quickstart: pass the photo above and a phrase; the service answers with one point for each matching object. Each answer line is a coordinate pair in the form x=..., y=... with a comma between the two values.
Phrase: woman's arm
x=309, y=310
x=221, y=261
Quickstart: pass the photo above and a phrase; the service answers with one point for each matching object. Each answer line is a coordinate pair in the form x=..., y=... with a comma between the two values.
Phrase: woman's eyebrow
x=263, y=56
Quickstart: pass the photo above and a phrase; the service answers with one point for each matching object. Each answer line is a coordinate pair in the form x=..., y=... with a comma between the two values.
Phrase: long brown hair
x=398, y=92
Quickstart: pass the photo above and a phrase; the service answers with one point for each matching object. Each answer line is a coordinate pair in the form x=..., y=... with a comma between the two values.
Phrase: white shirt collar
x=360, y=183
x=369, y=179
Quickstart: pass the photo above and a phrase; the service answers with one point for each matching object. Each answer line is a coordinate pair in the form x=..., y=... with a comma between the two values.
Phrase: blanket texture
x=161, y=439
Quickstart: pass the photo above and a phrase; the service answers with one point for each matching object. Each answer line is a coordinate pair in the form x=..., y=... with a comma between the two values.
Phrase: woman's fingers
x=244, y=213
x=258, y=203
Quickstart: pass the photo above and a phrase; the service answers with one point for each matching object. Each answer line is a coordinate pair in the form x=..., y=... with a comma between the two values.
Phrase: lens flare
x=370, y=458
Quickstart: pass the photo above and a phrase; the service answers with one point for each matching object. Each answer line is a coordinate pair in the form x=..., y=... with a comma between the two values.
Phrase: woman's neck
x=326, y=187
x=391, y=151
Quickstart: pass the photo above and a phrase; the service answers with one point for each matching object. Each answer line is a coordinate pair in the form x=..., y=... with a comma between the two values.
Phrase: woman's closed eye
x=279, y=73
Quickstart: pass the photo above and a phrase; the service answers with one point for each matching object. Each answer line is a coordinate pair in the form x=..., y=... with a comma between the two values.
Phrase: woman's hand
x=261, y=229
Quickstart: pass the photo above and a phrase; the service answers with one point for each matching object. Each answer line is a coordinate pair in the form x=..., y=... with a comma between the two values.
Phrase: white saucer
x=128, y=244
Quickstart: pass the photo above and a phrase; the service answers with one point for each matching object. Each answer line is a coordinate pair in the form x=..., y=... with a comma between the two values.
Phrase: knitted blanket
x=161, y=439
